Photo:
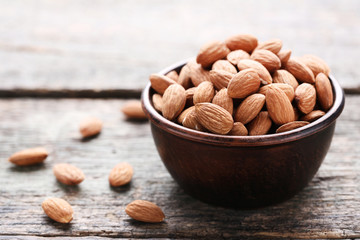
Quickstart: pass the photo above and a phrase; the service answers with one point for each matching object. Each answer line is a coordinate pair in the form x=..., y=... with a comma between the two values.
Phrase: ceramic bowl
x=242, y=171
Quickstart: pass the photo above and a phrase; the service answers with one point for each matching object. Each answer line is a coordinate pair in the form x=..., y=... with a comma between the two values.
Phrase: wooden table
x=61, y=61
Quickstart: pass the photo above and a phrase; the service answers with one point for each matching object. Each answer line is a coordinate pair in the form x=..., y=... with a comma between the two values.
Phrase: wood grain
x=327, y=208
x=106, y=44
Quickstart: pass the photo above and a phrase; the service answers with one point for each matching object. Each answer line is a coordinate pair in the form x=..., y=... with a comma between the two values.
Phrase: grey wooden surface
x=112, y=44
x=327, y=208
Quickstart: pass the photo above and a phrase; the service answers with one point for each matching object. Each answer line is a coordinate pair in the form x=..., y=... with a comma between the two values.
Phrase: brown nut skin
x=121, y=174
x=58, y=210
x=145, y=211
x=29, y=156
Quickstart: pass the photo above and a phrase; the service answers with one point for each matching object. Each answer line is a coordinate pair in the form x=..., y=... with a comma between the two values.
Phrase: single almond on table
x=121, y=174
x=157, y=102
x=316, y=64
x=220, y=78
x=190, y=121
x=214, y=118
x=244, y=83
x=90, y=126
x=305, y=97
x=211, y=52
x=223, y=100
x=290, y=126
x=288, y=90
x=260, y=125
x=235, y=56
x=263, y=73
x=267, y=58
x=300, y=71
x=283, y=76
x=238, y=129
x=273, y=45
x=224, y=65
x=324, y=91
x=244, y=42
x=183, y=114
x=29, y=156
x=133, y=110
x=160, y=82
x=174, y=100
x=204, y=92
x=145, y=211
x=58, y=210
x=185, y=74
x=279, y=106
x=198, y=74
x=173, y=75
x=284, y=56
x=68, y=174
x=249, y=108
x=189, y=93
x=313, y=115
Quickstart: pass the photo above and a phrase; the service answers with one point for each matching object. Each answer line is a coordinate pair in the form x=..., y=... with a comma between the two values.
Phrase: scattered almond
x=90, y=126
x=68, y=174
x=121, y=174
x=58, y=210
x=249, y=108
x=211, y=52
x=204, y=92
x=174, y=100
x=290, y=126
x=133, y=110
x=305, y=97
x=238, y=129
x=145, y=211
x=29, y=156
x=324, y=91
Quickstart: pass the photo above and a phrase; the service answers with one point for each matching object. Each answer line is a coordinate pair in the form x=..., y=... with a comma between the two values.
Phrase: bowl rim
x=226, y=140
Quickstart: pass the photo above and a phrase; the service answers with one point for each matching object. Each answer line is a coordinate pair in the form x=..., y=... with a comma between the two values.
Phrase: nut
x=58, y=210
x=300, y=71
x=264, y=74
x=211, y=52
x=68, y=174
x=267, y=58
x=305, y=97
x=224, y=65
x=291, y=125
x=29, y=156
x=244, y=42
x=244, y=83
x=220, y=78
x=238, y=129
x=249, y=108
x=204, y=92
x=121, y=174
x=273, y=45
x=260, y=125
x=160, y=82
x=223, y=100
x=324, y=91
x=174, y=100
x=133, y=110
x=90, y=127
x=279, y=106
x=283, y=76
x=145, y=211
x=235, y=56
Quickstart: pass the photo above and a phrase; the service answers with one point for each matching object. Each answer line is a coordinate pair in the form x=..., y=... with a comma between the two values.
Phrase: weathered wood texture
x=106, y=44
x=327, y=208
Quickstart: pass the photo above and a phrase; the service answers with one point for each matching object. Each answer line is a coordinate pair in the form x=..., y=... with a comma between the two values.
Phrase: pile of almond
x=243, y=87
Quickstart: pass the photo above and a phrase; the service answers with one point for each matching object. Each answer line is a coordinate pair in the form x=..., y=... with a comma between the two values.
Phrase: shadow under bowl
x=242, y=171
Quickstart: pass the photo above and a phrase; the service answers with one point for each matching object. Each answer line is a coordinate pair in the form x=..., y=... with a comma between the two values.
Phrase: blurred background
x=116, y=44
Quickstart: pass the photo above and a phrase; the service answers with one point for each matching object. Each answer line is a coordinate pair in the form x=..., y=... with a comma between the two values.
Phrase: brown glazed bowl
x=242, y=171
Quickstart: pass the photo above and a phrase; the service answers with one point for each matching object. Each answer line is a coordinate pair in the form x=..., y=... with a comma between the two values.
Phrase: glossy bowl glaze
x=242, y=171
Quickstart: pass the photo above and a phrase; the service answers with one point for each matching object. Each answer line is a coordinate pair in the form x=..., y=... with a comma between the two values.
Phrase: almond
x=244, y=83
x=263, y=73
x=58, y=210
x=174, y=99
x=284, y=56
x=283, y=76
x=157, y=102
x=204, y=92
x=29, y=156
x=288, y=90
x=211, y=52
x=121, y=174
x=235, y=56
x=244, y=42
x=290, y=126
x=160, y=82
x=189, y=93
x=173, y=75
x=214, y=118
x=249, y=108
x=313, y=115
x=184, y=78
x=223, y=100
x=133, y=110
x=183, y=114
x=238, y=129
x=267, y=58
x=260, y=125
x=198, y=74
x=279, y=106
x=68, y=174
x=324, y=91
x=300, y=71
x=224, y=65
x=90, y=126
x=145, y=211
x=305, y=97
x=190, y=121
x=220, y=78
x=316, y=64
x=273, y=45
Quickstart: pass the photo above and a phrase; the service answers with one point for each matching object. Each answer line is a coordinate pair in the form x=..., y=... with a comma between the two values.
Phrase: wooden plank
x=105, y=44
x=327, y=208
